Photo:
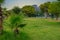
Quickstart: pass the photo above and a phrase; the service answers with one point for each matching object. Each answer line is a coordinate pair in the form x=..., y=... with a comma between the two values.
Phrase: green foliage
x=47, y=4
x=28, y=10
x=1, y=1
x=16, y=10
x=55, y=8
x=43, y=6
x=4, y=10
x=14, y=20
x=58, y=0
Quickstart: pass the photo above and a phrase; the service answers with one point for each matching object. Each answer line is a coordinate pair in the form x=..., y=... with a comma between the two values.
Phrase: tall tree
x=54, y=8
x=1, y=17
x=44, y=8
x=29, y=10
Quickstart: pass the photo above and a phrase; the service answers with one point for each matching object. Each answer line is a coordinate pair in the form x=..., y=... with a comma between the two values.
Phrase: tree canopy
x=1, y=1
x=44, y=5
x=29, y=10
x=54, y=8
x=16, y=10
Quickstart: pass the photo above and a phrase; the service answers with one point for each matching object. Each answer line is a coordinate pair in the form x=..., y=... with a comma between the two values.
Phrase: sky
x=11, y=3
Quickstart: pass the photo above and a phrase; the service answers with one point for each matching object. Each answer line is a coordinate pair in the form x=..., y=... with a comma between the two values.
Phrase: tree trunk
x=46, y=15
x=46, y=12
x=1, y=26
x=56, y=17
x=52, y=16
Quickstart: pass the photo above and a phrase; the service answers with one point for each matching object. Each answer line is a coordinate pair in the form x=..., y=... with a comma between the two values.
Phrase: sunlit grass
x=35, y=29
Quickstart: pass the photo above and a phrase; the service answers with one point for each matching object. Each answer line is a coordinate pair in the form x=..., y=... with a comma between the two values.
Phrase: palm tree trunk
x=16, y=31
x=1, y=26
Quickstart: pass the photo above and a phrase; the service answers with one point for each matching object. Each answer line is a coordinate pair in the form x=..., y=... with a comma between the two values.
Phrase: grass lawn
x=35, y=29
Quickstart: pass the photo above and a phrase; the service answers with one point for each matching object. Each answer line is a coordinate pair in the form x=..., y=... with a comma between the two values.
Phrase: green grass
x=35, y=29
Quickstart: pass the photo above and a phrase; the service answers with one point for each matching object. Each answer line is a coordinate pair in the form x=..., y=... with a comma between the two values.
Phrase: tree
x=54, y=8
x=16, y=10
x=1, y=17
x=44, y=8
x=29, y=10
x=14, y=21
x=1, y=1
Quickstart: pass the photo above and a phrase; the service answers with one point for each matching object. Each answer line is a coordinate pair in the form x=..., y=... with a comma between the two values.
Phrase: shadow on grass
x=11, y=36
x=24, y=36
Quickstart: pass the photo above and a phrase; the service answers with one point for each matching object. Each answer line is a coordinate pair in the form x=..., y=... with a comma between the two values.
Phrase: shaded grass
x=12, y=36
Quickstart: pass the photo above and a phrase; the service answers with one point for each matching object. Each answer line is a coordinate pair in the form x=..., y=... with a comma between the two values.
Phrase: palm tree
x=1, y=26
